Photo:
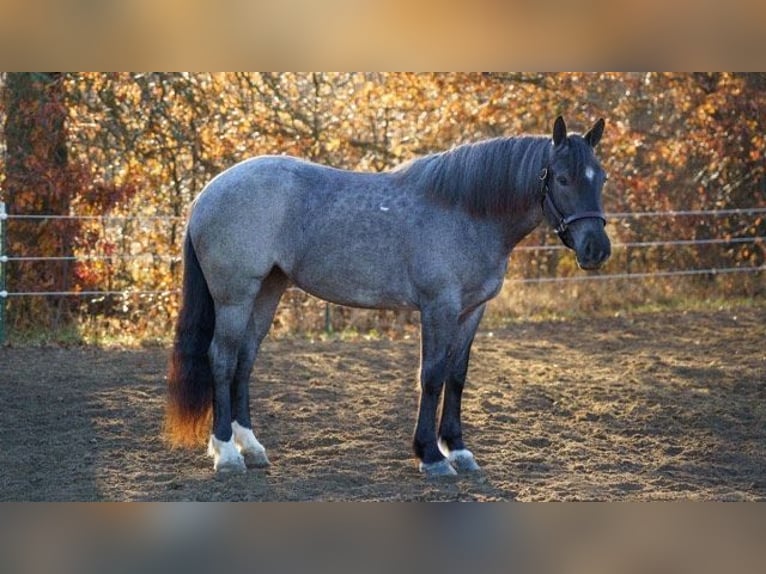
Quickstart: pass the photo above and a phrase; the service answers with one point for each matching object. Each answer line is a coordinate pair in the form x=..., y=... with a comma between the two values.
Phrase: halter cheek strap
x=562, y=222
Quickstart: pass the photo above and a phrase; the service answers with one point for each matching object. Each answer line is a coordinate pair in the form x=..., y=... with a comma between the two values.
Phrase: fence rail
x=7, y=292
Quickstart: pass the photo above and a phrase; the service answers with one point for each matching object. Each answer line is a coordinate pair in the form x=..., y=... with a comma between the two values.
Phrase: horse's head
x=572, y=184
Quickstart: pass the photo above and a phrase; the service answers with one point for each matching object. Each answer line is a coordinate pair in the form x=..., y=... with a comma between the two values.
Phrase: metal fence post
x=3, y=262
x=327, y=319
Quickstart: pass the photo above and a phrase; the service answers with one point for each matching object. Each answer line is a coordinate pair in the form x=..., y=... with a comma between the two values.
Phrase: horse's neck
x=518, y=225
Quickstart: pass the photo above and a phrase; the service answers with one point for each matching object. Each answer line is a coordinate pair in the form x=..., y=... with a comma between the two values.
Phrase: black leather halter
x=558, y=220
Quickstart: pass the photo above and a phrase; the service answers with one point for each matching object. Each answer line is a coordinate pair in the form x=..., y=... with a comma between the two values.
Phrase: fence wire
x=614, y=215
x=757, y=240
x=712, y=271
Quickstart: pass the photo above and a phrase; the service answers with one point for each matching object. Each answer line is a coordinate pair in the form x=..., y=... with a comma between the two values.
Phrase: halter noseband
x=562, y=221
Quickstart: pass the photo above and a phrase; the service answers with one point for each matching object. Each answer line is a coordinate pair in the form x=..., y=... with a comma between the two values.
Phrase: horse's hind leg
x=231, y=321
x=260, y=321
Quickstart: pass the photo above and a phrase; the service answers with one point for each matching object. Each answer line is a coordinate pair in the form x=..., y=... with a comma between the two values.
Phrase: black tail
x=190, y=380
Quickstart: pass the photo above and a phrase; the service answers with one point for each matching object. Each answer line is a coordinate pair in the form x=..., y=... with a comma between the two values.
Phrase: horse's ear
x=559, y=131
x=593, y=136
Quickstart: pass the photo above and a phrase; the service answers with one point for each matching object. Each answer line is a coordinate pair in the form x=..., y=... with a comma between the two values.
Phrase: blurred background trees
x=115, y=146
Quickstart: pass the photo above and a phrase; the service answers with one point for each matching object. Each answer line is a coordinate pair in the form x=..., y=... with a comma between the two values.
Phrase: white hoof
x=249, y=447
x=437, y=469
x=463, y=460
x=226, y=457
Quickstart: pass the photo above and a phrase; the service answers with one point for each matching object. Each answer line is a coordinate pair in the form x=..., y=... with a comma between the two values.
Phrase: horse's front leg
x=450, y=428
x=437, y=328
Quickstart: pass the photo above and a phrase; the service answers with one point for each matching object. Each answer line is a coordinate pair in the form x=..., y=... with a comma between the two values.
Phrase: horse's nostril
x=594, y=253
x=599, y=249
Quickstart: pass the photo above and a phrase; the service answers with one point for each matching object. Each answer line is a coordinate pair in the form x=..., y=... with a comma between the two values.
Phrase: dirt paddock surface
x=644, y=407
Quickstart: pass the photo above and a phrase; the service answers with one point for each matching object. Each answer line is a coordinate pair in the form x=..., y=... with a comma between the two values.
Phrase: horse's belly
x=356, y=295
x=359, y=263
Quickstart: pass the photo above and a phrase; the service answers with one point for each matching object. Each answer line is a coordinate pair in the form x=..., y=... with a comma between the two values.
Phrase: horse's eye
x=562, y=179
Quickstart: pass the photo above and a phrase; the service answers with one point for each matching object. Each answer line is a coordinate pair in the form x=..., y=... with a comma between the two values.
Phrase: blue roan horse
x=434, y=235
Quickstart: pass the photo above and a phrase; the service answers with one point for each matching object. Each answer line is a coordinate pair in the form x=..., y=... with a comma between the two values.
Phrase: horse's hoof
x=226, y=458
x=463, y=461
x=230, y=466
x=437, y=469
x=248, y=446
x=256, y=459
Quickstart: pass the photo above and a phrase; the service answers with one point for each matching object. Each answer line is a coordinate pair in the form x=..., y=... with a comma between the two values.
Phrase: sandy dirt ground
x=643, y=407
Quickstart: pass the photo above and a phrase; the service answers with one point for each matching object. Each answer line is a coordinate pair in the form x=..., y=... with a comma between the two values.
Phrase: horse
x=432, y=235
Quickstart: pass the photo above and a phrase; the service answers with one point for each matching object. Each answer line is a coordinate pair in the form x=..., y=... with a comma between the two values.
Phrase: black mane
x=487, y=178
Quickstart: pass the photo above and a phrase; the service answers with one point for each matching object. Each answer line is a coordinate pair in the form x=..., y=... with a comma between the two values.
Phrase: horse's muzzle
x=593, y=250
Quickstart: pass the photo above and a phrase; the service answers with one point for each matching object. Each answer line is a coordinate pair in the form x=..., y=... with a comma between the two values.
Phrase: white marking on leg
x=225, y=455
x=248, y=445
x=443, y=448
x=589, y=173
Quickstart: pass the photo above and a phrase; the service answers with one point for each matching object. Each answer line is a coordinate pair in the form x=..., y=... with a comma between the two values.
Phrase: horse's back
x=258, y=183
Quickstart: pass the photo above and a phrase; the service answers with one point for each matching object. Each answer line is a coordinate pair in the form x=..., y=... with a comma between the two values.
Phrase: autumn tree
x=39, y=179
x=129, y=149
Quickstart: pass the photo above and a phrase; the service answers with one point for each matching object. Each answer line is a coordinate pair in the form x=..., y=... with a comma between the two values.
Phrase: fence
x=3, y=262
x=6, y=291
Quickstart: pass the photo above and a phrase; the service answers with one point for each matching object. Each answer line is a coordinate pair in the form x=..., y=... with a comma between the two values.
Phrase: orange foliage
x=145, y=145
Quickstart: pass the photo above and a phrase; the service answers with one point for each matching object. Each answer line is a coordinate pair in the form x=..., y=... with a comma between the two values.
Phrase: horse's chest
x=484, y=286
